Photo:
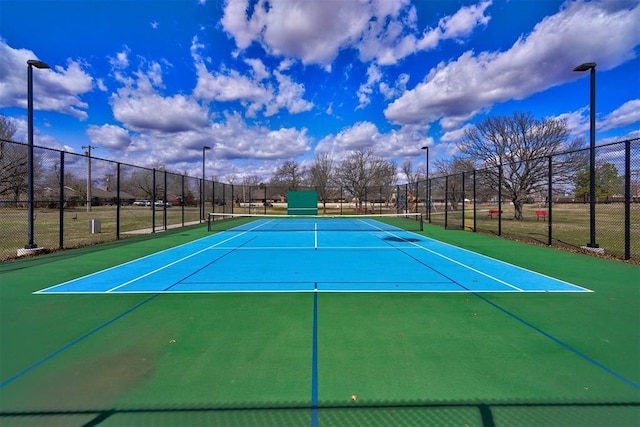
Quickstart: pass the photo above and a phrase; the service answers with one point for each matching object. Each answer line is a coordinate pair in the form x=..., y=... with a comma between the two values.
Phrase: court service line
x=315, y=236
x=461, y=264
x=506, y=263
x=179, y=260
x=122, y=265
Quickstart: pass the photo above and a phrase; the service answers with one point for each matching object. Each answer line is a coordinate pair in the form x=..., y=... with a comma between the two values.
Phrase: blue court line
x=74, y=342
x=562, y=343
x=314, y=361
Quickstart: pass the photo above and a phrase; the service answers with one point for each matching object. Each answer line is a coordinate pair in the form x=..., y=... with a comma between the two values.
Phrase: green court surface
x=320, y=358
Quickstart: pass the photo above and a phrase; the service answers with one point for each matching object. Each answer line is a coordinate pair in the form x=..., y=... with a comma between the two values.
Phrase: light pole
x=30, y=64
x=427, y=201
x=592, y=152
x=204, y=149
x=88, y=154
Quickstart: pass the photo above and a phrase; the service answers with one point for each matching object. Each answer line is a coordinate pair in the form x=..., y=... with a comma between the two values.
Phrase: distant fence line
x=81, y=200
x=556, y=209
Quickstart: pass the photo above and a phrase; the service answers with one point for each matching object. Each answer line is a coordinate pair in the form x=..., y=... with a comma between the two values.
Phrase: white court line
x=183, y=258
x=509, y=264
x=121, y=265
x=493, y=259
x=461, y=264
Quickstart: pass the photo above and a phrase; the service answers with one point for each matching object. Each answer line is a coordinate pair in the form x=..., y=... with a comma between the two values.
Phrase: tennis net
x=370, y=223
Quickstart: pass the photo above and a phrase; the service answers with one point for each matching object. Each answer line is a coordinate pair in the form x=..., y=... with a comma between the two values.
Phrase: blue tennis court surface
x=314, y=259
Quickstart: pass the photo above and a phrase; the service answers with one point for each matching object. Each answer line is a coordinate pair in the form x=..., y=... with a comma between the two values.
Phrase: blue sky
x=263, y=82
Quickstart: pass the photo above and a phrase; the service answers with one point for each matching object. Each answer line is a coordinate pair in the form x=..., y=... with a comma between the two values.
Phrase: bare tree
x=320, y=176
x=290, y=175
x=459, y=170
x=412, y=177
x=363, y=170
x=519, y=146
x=13, y=162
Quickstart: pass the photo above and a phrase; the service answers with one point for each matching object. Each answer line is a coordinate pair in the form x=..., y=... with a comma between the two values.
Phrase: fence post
x=428, y=200
x=475, y=212
x=118, y=201
x=182, y=199
x=164, y=201
x=153, y=202
x=627, y=199
x=550, y=202
x=61, y=202
x=500, y=199
x=463, y=199
x=446, y=202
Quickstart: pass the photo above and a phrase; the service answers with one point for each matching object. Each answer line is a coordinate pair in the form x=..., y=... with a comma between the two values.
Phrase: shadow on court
x=482, y=414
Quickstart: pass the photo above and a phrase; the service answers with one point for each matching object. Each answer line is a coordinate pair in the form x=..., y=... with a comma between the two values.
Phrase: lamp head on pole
x=206, y=148
x=586, y=66
x=37, y=63
x=424, y=148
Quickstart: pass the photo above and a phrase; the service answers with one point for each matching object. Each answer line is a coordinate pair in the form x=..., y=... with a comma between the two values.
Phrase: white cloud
x=366, y=89
x=289, y=96
x=627, y=114
x=109, y=136
x=454, y=135
x=235, y=140
x=542, y=59
x=230, y=86
x=259, y=70
x=315, y=31
x=464, y=21
x=121, y=60
x=262, y=92
x=140, y=107
x=58, y=89
x=406, y=141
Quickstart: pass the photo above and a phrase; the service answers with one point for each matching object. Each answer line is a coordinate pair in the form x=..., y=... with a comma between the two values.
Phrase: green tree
x=608, y=181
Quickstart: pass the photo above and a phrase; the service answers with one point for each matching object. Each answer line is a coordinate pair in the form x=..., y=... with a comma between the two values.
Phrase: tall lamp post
x=427, y=201
x=204, y=149
x=592, y=152
x=41, y=65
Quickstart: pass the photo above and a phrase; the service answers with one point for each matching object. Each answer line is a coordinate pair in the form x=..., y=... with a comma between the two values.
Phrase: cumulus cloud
x=235, y=140
x=140, y=107
x=57, y=89
x=109, y=136
x=405, y=141
x=540, y=60
x=263, y=90
x=315, y=31
x=627, y=114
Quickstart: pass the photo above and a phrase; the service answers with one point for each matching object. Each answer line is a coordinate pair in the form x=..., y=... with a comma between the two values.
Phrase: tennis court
x=319, y=321
x=301, y=254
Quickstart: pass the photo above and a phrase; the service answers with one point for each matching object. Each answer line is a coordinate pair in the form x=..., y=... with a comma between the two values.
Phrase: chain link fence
x=548, y=200
x=80, y=200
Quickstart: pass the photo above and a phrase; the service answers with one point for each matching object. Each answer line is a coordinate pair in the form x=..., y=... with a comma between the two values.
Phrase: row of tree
x=513, y=150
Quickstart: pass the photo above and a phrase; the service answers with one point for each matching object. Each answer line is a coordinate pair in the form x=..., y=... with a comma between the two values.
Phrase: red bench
x=495, y=212
x=541, y=214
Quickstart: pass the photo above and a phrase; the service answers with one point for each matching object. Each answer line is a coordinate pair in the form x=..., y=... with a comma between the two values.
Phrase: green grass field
x=570, y=226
